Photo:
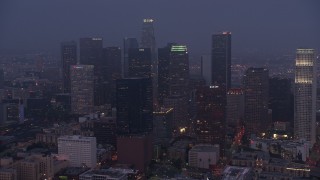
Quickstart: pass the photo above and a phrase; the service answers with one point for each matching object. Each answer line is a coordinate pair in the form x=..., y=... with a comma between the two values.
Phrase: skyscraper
x=91, y=50
x=148, y=39
x=281, y=99
x=1, y=79
x=128, y=43
x=82, y=84
x=256, y=95
x=139, y=62
x=179, y=70
x=163, y=72
x=112, y=65
x=210, y=118
x=235, y=107
x=68, y=58
x=221, y=60
x=111, y=72
x=134, y=105
x=305, y=95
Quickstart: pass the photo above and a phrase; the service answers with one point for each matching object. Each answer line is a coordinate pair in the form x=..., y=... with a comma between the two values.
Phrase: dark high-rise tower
x=148, y=39
x=134, y=105
x=210, y=118
x=68, y=58
x=139, y=62
x=128, y=43
x=112, y=64
x=163, y=72
x=221, y=60
x=281, y=99
x=91, y=51
x=176, y=84
x=111, y=72
x=91, y=54
x=1, y=79
x=256, y=95
x=179, y=70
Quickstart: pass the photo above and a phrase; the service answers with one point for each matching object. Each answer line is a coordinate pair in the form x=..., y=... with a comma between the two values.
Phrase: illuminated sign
x=96, y=39
x=179, y=48
x=147, y=20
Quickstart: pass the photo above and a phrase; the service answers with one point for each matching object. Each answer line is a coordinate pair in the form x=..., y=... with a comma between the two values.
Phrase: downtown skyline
x=269, y=27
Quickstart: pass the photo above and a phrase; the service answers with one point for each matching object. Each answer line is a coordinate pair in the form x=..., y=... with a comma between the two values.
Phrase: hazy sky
x=256, y=25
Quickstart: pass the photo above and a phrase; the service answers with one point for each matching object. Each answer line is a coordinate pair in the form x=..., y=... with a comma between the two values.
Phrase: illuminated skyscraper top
x=305, y=95
x=148, y=39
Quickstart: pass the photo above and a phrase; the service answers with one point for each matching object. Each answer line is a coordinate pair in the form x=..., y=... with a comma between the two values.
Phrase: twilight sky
x=263, y=26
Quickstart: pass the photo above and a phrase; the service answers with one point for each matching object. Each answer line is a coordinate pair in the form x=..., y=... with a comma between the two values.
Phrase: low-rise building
x=203, y=155
x=8, y=174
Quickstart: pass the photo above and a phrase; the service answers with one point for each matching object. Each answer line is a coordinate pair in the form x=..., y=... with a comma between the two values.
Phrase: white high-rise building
x=305, y=95
x=82, y=88
x=79, y=150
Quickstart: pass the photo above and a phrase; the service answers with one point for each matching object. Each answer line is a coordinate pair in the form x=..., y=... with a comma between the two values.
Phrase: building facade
x=305, y=95
x=91, y=53
x=68, y=58
x=79, y=150
x=235, y=107
x=256, y=93
x=134, y=105
x=221, y=59
x=139, y=62
x=82, y=89
x=128, y=43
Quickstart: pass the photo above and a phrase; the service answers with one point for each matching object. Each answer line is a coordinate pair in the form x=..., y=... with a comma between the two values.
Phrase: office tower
x=235, y=107
x=148, y=41
x=256, y=95
x=134, y=105
x=1, y=79
x=305, y=95
x=210, y=118
x=162, y=126
x=163, y=72
x=112, y=65
x=179, y=103
x=174, y=82
x=91, y=51
x=139, y=62
x=128, y=43
x=111, y=72
x=82, y=84
x=68, y=58
x=281, y=100
x=79, y=150
x=179, y=70
x=221, y=60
